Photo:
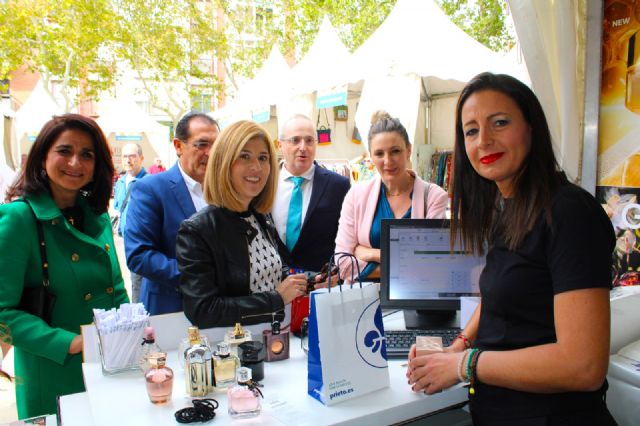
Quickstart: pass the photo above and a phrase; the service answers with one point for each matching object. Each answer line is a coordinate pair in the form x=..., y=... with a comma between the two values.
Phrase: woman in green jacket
x=66, y=186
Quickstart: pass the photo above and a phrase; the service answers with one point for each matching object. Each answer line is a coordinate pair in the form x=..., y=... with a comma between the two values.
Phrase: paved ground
x=8, y=411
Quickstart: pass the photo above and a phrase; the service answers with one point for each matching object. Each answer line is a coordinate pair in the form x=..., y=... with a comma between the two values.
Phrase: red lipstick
x=488, y=159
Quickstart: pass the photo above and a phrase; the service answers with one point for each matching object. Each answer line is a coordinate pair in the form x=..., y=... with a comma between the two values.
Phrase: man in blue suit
x=158, y=205
x=310, y=234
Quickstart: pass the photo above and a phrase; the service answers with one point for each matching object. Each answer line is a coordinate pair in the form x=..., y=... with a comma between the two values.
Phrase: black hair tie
x=203, y=410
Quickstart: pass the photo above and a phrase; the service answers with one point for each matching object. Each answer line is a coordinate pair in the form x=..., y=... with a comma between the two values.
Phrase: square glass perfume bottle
x=197, y=366
x=244, y=397
x=225, y=365
x=276, y=342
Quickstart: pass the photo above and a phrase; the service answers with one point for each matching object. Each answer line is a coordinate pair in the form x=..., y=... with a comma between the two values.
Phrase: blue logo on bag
x=370, y=342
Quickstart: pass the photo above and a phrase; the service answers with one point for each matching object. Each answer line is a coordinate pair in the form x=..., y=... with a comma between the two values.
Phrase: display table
x=122, y=399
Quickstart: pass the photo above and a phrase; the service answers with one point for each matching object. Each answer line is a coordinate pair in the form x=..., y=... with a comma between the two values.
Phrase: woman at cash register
x=536, y=350
x=396, y=192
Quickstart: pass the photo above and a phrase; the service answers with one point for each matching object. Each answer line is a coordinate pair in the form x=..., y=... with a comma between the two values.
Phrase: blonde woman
x=230, y=264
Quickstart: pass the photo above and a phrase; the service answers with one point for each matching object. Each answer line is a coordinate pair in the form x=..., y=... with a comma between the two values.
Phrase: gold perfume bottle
x=225, y=365
x=236, y=336
x=198, y=373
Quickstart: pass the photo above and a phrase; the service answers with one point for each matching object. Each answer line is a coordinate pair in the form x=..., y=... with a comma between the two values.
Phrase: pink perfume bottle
x=159, y=379
x=244, y=397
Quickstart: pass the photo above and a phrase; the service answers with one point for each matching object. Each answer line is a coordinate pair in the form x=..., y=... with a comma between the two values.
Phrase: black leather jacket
x=212, y=248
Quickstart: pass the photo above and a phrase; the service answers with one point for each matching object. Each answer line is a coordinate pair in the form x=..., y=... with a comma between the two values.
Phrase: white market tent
x=325, y=65
x=417, y=56
x=254, y=99
x=123, y=122
x=34, y=113
x=553, y=38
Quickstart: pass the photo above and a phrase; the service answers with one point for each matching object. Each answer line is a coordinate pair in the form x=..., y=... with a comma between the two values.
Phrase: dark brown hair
x=32, y=181
x=476, y=200
x=382, y=122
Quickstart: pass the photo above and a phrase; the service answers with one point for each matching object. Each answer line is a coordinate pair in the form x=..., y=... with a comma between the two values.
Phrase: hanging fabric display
x=355, y=137
x=324, y=132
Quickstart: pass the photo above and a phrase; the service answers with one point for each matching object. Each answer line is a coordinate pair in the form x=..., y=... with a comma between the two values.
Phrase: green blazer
x=84, y=274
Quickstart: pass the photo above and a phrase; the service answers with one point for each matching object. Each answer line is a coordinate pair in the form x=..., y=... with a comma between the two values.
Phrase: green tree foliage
x=483, y=20
x=293, y=25
x=171, y=46
x=64, y=40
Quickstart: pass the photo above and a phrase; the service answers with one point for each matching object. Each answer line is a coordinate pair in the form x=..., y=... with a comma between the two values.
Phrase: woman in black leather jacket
x=231, y=269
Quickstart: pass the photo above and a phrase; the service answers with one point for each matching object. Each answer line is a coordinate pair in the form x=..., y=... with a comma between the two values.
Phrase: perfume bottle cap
x=194, y=334
x=243, y=375
x=275, y=327
x=252, y=351
x=149, y=333
x=238, y=332
x=223, y=349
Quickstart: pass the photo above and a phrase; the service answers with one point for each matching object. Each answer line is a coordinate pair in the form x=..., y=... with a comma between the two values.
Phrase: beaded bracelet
x=465, y=340
x=473, y=378
x=469, y=358
x=460, y=369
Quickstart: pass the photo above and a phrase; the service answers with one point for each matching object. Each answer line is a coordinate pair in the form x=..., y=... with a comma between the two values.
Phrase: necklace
x=402, y=191
x=397, y=193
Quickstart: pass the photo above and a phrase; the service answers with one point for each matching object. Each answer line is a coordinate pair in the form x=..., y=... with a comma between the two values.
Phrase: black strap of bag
x=126, y=197
x=41, y=245
x=39, y=301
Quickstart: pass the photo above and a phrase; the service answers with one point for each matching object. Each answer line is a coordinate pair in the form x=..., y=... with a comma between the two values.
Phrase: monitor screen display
x=420, y=271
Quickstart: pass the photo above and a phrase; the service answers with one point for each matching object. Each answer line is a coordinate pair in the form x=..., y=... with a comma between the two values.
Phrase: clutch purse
x=39, y=301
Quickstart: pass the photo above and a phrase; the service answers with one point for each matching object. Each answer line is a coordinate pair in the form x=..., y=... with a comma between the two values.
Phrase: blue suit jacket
x=317, y=239
x=158, y=205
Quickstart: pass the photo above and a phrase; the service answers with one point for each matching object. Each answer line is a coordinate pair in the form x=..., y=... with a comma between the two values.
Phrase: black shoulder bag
x=38, y=300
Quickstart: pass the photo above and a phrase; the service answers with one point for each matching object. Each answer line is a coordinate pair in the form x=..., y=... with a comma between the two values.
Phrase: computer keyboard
x=399, y=341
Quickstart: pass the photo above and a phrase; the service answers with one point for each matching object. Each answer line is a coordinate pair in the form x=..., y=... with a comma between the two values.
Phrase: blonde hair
x=218, y=189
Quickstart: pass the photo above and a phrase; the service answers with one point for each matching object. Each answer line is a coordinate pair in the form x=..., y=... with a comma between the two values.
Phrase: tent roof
x=326, y=63
x=36, y=110
x=124, y=116
x=271, y=82
x=418, y=38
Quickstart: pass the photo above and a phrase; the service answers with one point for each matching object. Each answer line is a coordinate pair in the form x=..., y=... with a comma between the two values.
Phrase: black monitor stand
x=431, y=320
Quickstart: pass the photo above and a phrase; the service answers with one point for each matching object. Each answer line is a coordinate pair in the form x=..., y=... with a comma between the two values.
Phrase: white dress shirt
x=280, y=210
x=195, y=190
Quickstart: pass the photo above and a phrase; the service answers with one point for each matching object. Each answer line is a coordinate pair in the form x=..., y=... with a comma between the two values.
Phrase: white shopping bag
x=347, y=353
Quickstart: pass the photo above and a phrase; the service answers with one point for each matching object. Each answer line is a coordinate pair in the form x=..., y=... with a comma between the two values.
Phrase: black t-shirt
x=571, y=252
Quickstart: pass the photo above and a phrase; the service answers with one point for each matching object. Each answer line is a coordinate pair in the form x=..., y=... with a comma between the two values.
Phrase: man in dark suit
x=158, y=205
x=309, y=234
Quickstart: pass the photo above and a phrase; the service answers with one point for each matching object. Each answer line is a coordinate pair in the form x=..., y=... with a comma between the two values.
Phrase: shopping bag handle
x=335, y=260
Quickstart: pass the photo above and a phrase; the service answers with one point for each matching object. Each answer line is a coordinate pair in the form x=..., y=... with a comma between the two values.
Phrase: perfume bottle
x=304, y=335
x=197, y=366
x=149, y=346
x=236, y=336
x=276, y=342
x=244, y=397
x=186, y=344
x=225, y=365
x=159, y=379
x=252, y=356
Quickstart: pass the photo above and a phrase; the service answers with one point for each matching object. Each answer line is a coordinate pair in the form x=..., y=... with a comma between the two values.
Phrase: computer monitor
x=420, y=274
